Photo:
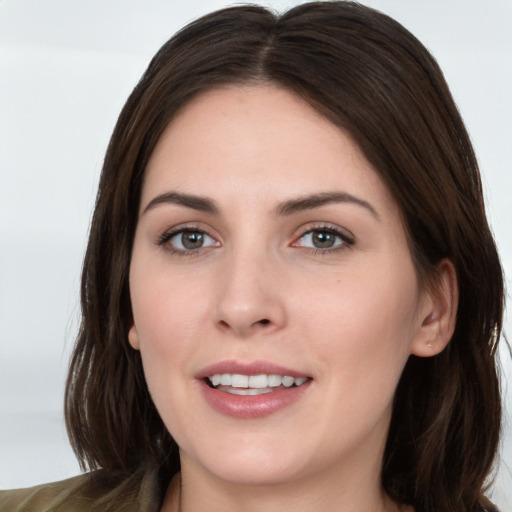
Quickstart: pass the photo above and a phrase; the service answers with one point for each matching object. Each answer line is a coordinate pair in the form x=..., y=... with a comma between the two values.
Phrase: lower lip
x=256, y=406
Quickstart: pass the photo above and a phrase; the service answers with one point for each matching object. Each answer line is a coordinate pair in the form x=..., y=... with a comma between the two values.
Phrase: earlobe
x=439, y=313
x=133, y=337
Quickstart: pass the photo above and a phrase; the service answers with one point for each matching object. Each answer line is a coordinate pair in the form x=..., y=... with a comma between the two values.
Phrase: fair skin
x=248, y=276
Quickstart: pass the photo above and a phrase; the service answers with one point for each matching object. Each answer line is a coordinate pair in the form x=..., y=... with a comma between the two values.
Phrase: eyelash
x=168, y=235
x=346, y=240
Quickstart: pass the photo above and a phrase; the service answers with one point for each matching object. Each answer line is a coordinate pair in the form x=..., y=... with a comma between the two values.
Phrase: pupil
x=192, y=239
x=323, y=239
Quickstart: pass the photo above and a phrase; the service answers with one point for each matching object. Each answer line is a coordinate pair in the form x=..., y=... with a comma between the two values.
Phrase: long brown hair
x=371, y=77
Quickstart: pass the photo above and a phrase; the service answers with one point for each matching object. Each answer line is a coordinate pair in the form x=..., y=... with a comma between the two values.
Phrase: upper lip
x=248, y=368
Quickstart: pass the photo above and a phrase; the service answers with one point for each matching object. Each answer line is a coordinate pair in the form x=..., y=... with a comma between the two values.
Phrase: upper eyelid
x=166, y=234
x=188, y=226
x=298, y=233
x=326, y=226
x=164, y=241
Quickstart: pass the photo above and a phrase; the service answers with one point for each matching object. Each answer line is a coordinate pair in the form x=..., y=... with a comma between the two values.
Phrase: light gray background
x=66, y=68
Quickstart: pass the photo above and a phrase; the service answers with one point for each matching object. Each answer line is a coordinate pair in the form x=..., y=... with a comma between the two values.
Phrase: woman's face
x=270, y=259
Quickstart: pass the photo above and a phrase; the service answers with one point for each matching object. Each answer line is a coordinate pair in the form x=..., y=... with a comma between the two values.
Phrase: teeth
x=288, y=381
x=274, y=381
x=240, y=381
x=254, y=382
x=257, y=381
x=248, y=391
x=225, y=379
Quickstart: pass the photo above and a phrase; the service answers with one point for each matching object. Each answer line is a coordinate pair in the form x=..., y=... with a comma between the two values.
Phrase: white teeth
x=254, y=382
x=274, y=381
x=257, y=381
x=225, y=379
x=240, y=381
x=248, y=391
x=288, y=381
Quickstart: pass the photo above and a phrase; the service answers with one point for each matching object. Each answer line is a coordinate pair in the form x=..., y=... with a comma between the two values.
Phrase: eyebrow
x=312, y=201
x=202, y=204
x=289, y=207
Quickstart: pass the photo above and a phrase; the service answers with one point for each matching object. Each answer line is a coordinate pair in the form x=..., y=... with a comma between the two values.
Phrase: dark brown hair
x=372, y=78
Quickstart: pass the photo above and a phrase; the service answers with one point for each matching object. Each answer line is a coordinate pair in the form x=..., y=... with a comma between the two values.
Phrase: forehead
x=258, y=142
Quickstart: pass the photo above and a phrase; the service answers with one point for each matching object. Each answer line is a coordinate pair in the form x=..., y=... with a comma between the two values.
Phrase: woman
x=291, y=296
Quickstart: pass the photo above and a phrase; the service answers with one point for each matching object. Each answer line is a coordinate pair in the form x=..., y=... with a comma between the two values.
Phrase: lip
x=249, y=368
x=251, y=406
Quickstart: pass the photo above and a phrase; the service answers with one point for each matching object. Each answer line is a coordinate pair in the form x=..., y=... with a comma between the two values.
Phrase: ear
x=133, y=337
x=438, y=312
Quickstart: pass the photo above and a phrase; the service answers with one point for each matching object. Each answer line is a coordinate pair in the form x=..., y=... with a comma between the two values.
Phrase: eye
x=323, y=239
x=187, y=240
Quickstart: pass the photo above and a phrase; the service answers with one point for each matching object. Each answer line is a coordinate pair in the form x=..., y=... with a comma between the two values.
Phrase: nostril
x=242, y=327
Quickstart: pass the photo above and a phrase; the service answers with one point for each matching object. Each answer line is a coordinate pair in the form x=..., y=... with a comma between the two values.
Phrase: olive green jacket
x=90, y=492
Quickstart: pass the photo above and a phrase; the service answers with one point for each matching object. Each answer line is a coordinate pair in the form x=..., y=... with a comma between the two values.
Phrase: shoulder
x=86, y=493
x=52, y=496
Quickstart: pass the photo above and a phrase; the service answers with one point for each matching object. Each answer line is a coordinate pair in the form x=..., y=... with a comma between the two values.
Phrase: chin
x=253, y=465
x=250, y=473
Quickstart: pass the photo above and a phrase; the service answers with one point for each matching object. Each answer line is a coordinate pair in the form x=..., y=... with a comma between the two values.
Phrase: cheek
x=364, y=322
x=168, y=314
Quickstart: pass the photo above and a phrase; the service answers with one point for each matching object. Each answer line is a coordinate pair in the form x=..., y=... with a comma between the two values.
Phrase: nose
x=250, y=297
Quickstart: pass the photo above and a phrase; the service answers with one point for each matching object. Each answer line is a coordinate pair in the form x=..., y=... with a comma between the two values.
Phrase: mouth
x=250, y=390
x=253, y=385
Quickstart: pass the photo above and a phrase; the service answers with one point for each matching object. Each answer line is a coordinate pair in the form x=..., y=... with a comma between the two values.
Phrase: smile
x=251, y=390
x=251, y=385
